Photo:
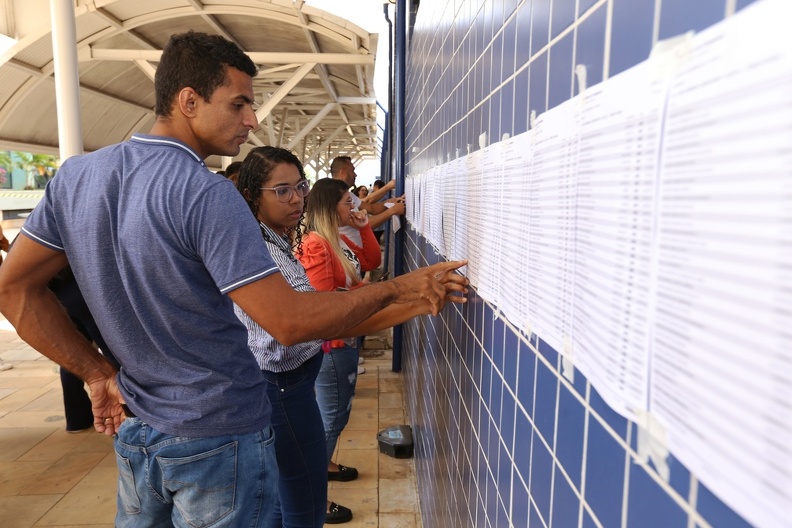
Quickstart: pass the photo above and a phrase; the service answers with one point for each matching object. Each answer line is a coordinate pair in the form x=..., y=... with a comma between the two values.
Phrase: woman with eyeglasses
x=273, y=183
x=332, y=261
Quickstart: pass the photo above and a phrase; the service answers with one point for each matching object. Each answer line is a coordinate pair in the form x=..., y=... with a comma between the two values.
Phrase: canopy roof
x=314, y=85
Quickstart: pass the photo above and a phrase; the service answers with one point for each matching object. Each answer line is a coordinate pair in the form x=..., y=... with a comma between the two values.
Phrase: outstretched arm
x=374, y=196
x=379, y=219
x=332, y=315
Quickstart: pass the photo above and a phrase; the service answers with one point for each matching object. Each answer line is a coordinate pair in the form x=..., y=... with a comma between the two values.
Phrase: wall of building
x=502, y=438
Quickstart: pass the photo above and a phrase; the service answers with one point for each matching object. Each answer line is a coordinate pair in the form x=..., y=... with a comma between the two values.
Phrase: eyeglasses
x=350, y=203
x=284, y=193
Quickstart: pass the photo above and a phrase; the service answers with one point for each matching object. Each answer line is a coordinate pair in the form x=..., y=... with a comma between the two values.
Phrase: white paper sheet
x=722, y=349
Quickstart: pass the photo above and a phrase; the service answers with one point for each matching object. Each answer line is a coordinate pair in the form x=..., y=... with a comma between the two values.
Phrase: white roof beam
x=283, y=91
x=311, y=125
x=326, y=143
x=357, y=100
x=212, y=21
x=87, y=53
x=271, y=129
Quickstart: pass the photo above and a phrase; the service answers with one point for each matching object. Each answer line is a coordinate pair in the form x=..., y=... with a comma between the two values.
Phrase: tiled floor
x=51, y=478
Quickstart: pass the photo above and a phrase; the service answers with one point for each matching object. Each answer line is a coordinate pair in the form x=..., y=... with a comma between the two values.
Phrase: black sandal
x=338, y=514
x=344, y=474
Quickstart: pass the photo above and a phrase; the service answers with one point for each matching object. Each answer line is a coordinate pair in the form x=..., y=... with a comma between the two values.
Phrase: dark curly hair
x=199, y=61
x=255, y=173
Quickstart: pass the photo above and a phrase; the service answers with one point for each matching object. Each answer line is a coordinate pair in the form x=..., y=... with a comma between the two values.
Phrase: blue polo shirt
x=155, y=241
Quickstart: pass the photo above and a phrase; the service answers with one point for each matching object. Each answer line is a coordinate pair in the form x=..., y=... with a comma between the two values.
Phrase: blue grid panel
x=590, y=46
x=566, y=503
x=511, y=347
x=605, y=462
x=520, y=503
x=744, y=3
x=561, y=54
x=540, y=25
x=563, y=16
x=631, y=36
x=522, y=446
x=715, y=512
x=526, y=378
x=453, y=91
x=541, y=477
x=522, y=22
x=538, y=84
x=571, y=426
x=680, y=16
x=648, y=505
x=545, y=404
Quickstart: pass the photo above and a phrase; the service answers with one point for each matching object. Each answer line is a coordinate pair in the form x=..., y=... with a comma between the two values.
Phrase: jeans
x=335, y=388
x=223, y=482
x=299, y=446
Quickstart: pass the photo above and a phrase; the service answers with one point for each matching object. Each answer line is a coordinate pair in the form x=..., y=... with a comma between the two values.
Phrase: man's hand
x=106, y=403
x=429, y=284
x=398, y=199
x=398, y=208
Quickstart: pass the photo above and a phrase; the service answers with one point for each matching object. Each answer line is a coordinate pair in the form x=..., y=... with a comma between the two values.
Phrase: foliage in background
x=38, y=168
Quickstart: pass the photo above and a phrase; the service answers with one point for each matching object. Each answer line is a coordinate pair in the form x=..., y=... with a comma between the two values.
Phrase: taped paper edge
x=653, y=443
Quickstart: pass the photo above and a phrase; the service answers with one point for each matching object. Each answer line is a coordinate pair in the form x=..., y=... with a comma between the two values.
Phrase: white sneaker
x=361, y=360
x=361, y=370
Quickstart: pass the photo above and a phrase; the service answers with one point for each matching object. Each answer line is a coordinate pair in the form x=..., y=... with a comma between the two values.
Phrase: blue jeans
x=299, y=446
x=335, y=388
x=223, y=481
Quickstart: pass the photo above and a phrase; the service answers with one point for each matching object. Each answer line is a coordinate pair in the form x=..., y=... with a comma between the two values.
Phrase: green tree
x=40, y=168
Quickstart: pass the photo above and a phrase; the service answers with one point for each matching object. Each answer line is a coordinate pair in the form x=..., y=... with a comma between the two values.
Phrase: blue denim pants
x=335, y=388
x=299, y=446
x=223, y=481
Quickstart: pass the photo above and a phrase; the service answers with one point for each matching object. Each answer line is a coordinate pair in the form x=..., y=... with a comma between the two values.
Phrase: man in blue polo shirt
x=160, y=246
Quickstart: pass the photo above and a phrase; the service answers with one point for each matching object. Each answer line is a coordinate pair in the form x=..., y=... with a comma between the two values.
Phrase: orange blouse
x=324, y=268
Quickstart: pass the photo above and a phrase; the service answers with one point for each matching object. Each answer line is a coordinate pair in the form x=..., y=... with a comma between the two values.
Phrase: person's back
x=149, y=224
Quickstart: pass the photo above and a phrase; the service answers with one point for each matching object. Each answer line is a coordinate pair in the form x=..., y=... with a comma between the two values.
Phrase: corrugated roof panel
x=126, y=9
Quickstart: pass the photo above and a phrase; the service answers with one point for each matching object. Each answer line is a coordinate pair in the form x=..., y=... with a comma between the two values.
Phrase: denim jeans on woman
x=335, y=388
x=299, y=445
x=223, y=481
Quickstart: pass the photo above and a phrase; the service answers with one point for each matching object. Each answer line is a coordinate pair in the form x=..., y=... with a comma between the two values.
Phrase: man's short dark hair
x=199, y=61
x=339, y=163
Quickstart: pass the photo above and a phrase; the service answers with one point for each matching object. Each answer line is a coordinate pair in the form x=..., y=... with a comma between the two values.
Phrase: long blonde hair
x=321, y=217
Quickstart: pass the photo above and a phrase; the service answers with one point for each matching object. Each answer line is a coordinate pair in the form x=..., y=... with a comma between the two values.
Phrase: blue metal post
x=398, y=114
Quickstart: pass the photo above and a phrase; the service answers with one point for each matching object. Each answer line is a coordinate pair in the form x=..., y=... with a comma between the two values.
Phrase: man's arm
x=378, y=219
x=34, y=311
x=373, y=208
x=293, y=317
x=399, y=313
x=375, y=196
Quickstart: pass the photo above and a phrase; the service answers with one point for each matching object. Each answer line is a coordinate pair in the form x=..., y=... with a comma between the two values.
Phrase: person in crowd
x=342, y=168
x=361, y=191
x=161, y=249
x=273, y=183
x=379, y=192
x=332, y=261
x=232, y=171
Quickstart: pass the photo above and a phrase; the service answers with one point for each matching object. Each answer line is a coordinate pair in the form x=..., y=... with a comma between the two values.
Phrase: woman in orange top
x=332, y=261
